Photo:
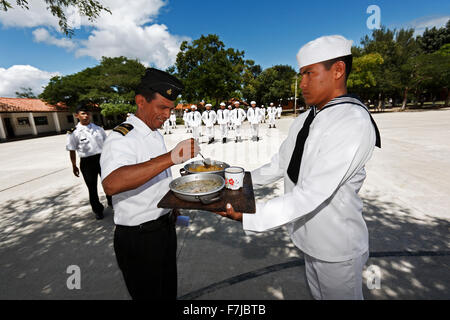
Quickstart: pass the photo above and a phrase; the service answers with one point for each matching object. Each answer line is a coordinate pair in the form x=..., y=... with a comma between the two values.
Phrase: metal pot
x=204, y=198
x=188, y=168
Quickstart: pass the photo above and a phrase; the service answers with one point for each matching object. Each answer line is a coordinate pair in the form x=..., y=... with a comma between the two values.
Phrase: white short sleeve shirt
x=140, y=144
x=86, y=140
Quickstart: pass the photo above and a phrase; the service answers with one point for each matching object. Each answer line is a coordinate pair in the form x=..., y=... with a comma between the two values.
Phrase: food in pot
x=202, y=168
x=198, y=186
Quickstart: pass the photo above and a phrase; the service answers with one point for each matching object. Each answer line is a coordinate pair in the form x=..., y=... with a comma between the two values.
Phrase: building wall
x=22, y=126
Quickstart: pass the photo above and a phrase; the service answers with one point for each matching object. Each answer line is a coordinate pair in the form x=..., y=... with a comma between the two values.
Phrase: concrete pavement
x=46, y=224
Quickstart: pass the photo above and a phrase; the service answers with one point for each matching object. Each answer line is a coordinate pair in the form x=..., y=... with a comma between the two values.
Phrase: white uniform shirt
x=209, y=118
x=223, y=116
x=323, y=211
x=86, y=140
x=253, y=115
x=173, y=117
x=196, y=118
x=140, y=144
x=263, y=113
x=238, y=116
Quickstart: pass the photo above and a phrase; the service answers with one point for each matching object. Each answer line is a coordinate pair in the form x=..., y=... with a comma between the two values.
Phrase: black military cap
x=162, y=82
x=81, y=108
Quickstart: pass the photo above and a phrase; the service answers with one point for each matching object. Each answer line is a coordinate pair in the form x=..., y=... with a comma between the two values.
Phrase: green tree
x=25, y=93
x=275, y=84
x=109, y=85
x=396, y=48
x=208, y=70
x=88, y=8
x=433, y=39
x=362, y=80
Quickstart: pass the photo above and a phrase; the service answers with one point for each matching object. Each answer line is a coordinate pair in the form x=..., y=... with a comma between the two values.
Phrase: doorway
x=9, y=128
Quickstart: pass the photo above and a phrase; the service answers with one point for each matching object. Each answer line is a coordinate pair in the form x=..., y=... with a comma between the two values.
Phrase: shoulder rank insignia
x=123, y=128
x=71, y=130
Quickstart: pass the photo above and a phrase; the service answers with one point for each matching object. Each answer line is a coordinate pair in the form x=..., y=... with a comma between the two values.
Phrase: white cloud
x=23, y=76
x=129, y=31
x=429, y=22
x=42, y=35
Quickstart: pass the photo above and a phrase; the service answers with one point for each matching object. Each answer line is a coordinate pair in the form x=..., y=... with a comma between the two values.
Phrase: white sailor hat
x=222, y=104
x=208, y=105
x=323, y=49
x=271, y=103
x=230, y=106
x=236, y=102
x=193, y=106
x=253, y=102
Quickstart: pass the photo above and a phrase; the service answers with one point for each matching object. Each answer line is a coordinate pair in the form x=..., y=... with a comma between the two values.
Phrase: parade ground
x=47, y=227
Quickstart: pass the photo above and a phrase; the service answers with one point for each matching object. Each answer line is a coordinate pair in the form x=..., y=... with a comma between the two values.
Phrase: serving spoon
x=206, y=161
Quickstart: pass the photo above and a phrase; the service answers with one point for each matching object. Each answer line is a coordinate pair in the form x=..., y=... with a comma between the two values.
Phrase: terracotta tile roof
x=29, y=105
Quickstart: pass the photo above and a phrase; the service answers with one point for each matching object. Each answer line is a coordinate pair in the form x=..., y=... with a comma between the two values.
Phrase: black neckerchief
x=296, y=158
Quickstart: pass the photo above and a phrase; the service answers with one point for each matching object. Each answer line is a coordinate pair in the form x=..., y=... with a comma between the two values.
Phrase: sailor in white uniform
x=230, y=120
x=254, y=118
x=173, y=120
x=263, y=114
x=238, y=116
x=271, y=113
x=279, y=110
x=322, y=162
x=195, y=122
x=186, y=124
x=209, y=118
x=222, y=120
x=166, y=127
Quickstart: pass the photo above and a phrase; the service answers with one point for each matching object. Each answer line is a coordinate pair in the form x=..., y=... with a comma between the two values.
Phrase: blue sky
x=270, y=32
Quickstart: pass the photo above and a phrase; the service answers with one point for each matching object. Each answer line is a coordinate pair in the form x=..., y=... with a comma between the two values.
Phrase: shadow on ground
x=41, y=238
x=411, y=254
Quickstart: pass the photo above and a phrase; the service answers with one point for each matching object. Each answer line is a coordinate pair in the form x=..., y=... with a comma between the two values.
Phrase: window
x=23, y=121
x=41, y=121
x=70, y=118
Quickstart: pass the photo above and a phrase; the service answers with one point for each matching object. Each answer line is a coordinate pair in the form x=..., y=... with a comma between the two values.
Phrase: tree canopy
x=109, y=85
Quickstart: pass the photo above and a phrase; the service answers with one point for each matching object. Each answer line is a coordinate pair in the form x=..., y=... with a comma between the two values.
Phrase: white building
x=21, y=117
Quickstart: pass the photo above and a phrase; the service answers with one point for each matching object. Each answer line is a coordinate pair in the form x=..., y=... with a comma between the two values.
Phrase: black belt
x=163, y=221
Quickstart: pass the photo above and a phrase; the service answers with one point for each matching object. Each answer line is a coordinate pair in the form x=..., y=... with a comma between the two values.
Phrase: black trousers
x=90, y=168
x=146, y=254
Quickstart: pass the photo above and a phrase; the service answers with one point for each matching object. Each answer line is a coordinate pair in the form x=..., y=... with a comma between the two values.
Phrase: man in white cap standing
x=322, y=162
x=254, y=117
x=185, y=119
x=263, y=114
x=196, y=121
x=173, y=120
x=230, y=120
x=209, y=118
x=222, y=120
x=279, y=110
x=238, y=116
x=271, y=112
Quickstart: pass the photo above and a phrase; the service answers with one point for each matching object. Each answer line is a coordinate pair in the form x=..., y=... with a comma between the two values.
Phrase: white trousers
x=223, y=130
x=195, y=132
x=210, y=132
x=255, y=129
x=272, y=120
x=335, y=280
x=237, y=128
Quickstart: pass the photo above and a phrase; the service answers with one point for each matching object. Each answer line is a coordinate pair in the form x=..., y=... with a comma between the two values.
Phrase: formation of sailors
x=228, y=118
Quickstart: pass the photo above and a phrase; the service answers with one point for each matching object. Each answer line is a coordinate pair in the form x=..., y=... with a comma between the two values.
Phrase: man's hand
x=231, y=214
x=76, y=172
x=185, y=150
